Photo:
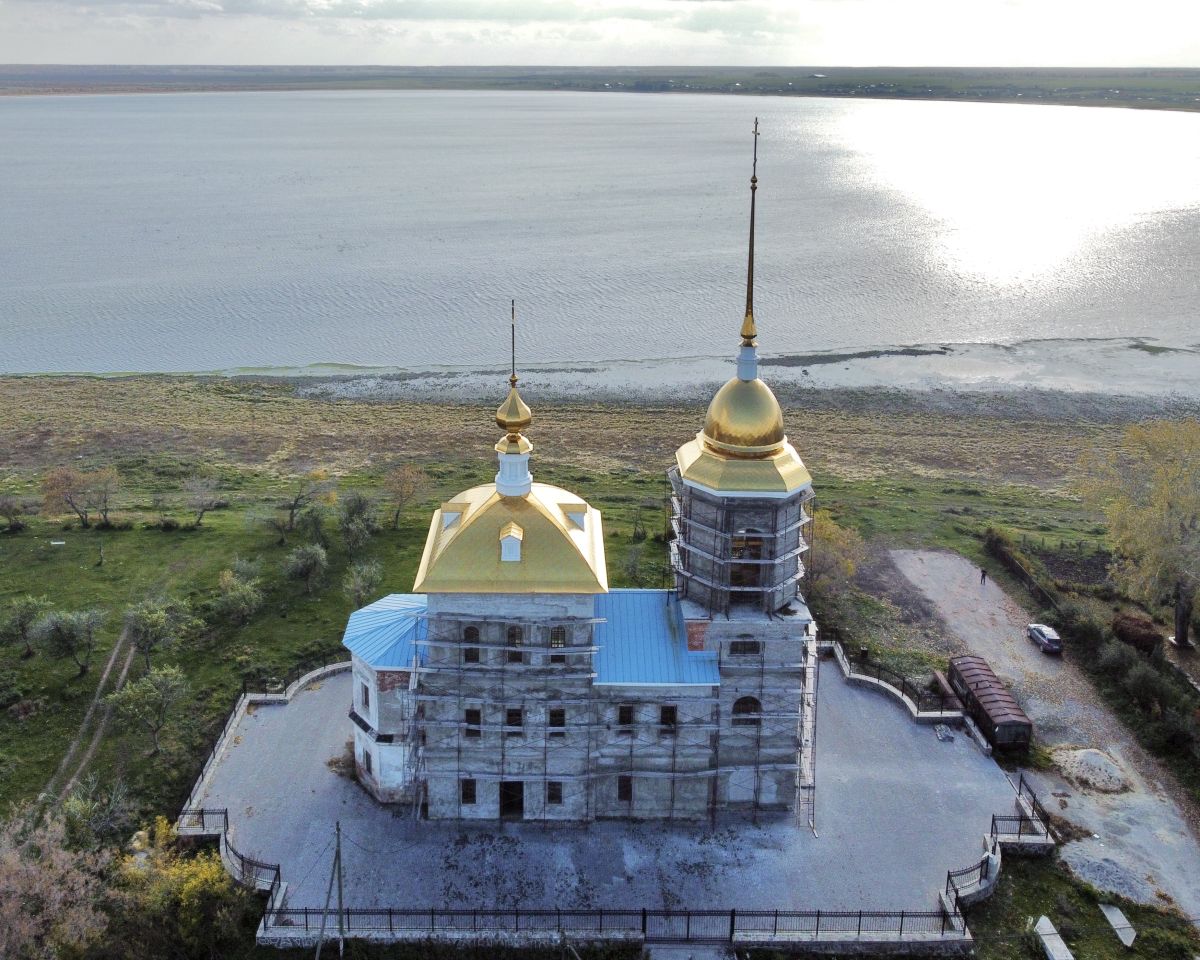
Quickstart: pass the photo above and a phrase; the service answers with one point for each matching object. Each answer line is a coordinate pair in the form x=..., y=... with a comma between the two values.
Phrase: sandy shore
x=1097, y=380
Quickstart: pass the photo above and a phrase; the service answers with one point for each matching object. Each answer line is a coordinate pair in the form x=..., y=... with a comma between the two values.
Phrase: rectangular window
x=625, y=789
x=466, y=791
x=557, y=722
x=366, y=697
x=473, y=718
x=668, y=715
x=558, y=640
x=625, y=717
x=554, y=792
x=470, y=655
x=514, y=717
x=367, y=761
x=744, y=648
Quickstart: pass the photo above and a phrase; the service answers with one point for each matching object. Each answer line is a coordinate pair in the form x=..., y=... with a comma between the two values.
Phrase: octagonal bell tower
x=740, y=490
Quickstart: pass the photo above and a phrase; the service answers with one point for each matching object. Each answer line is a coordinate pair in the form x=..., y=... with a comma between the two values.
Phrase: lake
x=171, y=232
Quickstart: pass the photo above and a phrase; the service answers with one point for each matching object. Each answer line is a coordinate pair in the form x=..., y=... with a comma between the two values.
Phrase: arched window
x=514, y=637
x=470, y=654
x=747, y=712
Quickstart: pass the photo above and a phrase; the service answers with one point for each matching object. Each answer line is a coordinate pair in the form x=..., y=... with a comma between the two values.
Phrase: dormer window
x=511, y=536
x=452, y=513
x=576, y=514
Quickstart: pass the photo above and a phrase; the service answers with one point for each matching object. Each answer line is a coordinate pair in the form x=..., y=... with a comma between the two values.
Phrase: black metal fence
x=280, y=684
x=1025, y=791
x=1019, y=826
x=249, y=872
x=971, y=876
x=926, y=700
x=654, y=926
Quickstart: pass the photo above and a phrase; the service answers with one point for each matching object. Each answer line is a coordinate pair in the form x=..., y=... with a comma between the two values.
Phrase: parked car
x=1045, y=637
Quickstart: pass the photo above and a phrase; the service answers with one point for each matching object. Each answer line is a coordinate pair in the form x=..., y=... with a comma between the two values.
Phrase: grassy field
x=900, y=475
x=1176, y=89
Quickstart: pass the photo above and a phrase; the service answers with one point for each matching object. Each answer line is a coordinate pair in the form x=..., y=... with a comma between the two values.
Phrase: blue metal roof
x=643, y=642
x=384, y=633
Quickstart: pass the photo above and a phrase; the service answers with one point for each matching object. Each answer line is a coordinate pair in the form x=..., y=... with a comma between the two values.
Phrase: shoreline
x=1101, y=380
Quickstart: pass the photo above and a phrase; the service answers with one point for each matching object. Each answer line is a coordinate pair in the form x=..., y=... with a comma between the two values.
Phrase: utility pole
x=336, y=872
x=341, y=919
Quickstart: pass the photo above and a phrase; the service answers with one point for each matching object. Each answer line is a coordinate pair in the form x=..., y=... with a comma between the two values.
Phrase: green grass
x=1029, y=889
x=291, y=627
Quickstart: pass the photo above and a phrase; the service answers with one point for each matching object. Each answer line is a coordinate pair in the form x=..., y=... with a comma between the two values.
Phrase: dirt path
x=69, y=763
x=1142, y=843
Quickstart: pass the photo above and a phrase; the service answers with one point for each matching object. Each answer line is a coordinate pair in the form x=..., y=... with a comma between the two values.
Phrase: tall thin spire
x=749, y=331
x=513, y=379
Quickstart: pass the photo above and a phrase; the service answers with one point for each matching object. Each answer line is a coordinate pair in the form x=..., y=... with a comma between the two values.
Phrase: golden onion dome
x=513, y=415
x=744, y=419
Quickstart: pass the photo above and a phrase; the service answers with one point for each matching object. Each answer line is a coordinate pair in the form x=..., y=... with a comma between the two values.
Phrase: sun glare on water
x=1020, y=190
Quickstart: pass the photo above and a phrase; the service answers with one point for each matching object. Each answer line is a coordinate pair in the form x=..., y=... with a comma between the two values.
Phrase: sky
x=1096, y=33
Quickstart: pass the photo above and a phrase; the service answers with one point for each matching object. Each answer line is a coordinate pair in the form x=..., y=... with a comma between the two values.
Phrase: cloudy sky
x=850, y=32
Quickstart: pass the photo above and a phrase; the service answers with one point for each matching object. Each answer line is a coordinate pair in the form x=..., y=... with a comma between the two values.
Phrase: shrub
x=1115, y=659
x=1136, y=631
x=1144, y=684
x=1166, y=944
x=10, y=689
x=238, y=600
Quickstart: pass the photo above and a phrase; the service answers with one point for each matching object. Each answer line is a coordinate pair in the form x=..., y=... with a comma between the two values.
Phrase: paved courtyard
x=896, y=808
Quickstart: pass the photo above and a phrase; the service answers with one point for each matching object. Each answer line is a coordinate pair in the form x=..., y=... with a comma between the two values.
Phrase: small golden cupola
x=743, y=446
x=513, y=479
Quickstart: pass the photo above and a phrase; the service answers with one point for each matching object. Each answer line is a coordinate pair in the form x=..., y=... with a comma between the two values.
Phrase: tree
x=202, y=497
x=356, y=521
x=65, y=488
x=239, y=598
x=11, y=509
x=403, y=485
x=836, y=554
x=148, y=701
x=70, y=635
x=93, y=815
x=312, y=487
x=158, y=623
x=182, y=907
x=311, y=524
x=1148, y=487
x=50, y=894
x=101, y=490
x=362, y=580
x=307, y=563
x=19, y=621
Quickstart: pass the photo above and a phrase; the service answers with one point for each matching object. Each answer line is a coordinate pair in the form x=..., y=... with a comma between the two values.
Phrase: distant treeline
x=1158, y=88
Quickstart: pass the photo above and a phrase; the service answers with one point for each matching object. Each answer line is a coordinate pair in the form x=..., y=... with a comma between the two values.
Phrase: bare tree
x=201, y=497
x=102, y=488
x=65, y=488
x=11, y=509
x=50, y=894
x=312, y=487
x=403, y=485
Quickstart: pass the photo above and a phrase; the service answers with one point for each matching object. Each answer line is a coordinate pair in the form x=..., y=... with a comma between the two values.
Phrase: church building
x=513, y=683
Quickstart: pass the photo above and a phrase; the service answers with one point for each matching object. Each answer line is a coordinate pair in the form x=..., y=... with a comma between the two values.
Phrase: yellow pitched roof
x=556, y=555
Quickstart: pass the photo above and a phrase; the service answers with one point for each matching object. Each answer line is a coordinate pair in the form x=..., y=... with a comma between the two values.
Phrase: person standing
x=982, y=576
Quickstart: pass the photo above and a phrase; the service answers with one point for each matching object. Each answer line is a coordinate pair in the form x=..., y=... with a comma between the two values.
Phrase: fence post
x=818, y=930
x=306, y=919
x=859, y=934
x=516, y=918
x=643, y=921
x=687, y=933
x=943, y=921
x=431, y=919
x=732, y=923
x=901, y=923
x=775, y=929
x=601, y=919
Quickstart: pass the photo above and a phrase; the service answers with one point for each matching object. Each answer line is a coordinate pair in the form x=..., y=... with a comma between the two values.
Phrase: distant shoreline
x=1175, y=89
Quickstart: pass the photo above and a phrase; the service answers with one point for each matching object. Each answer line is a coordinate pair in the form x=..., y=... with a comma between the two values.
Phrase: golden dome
x=513, y=415
x=744, y=419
